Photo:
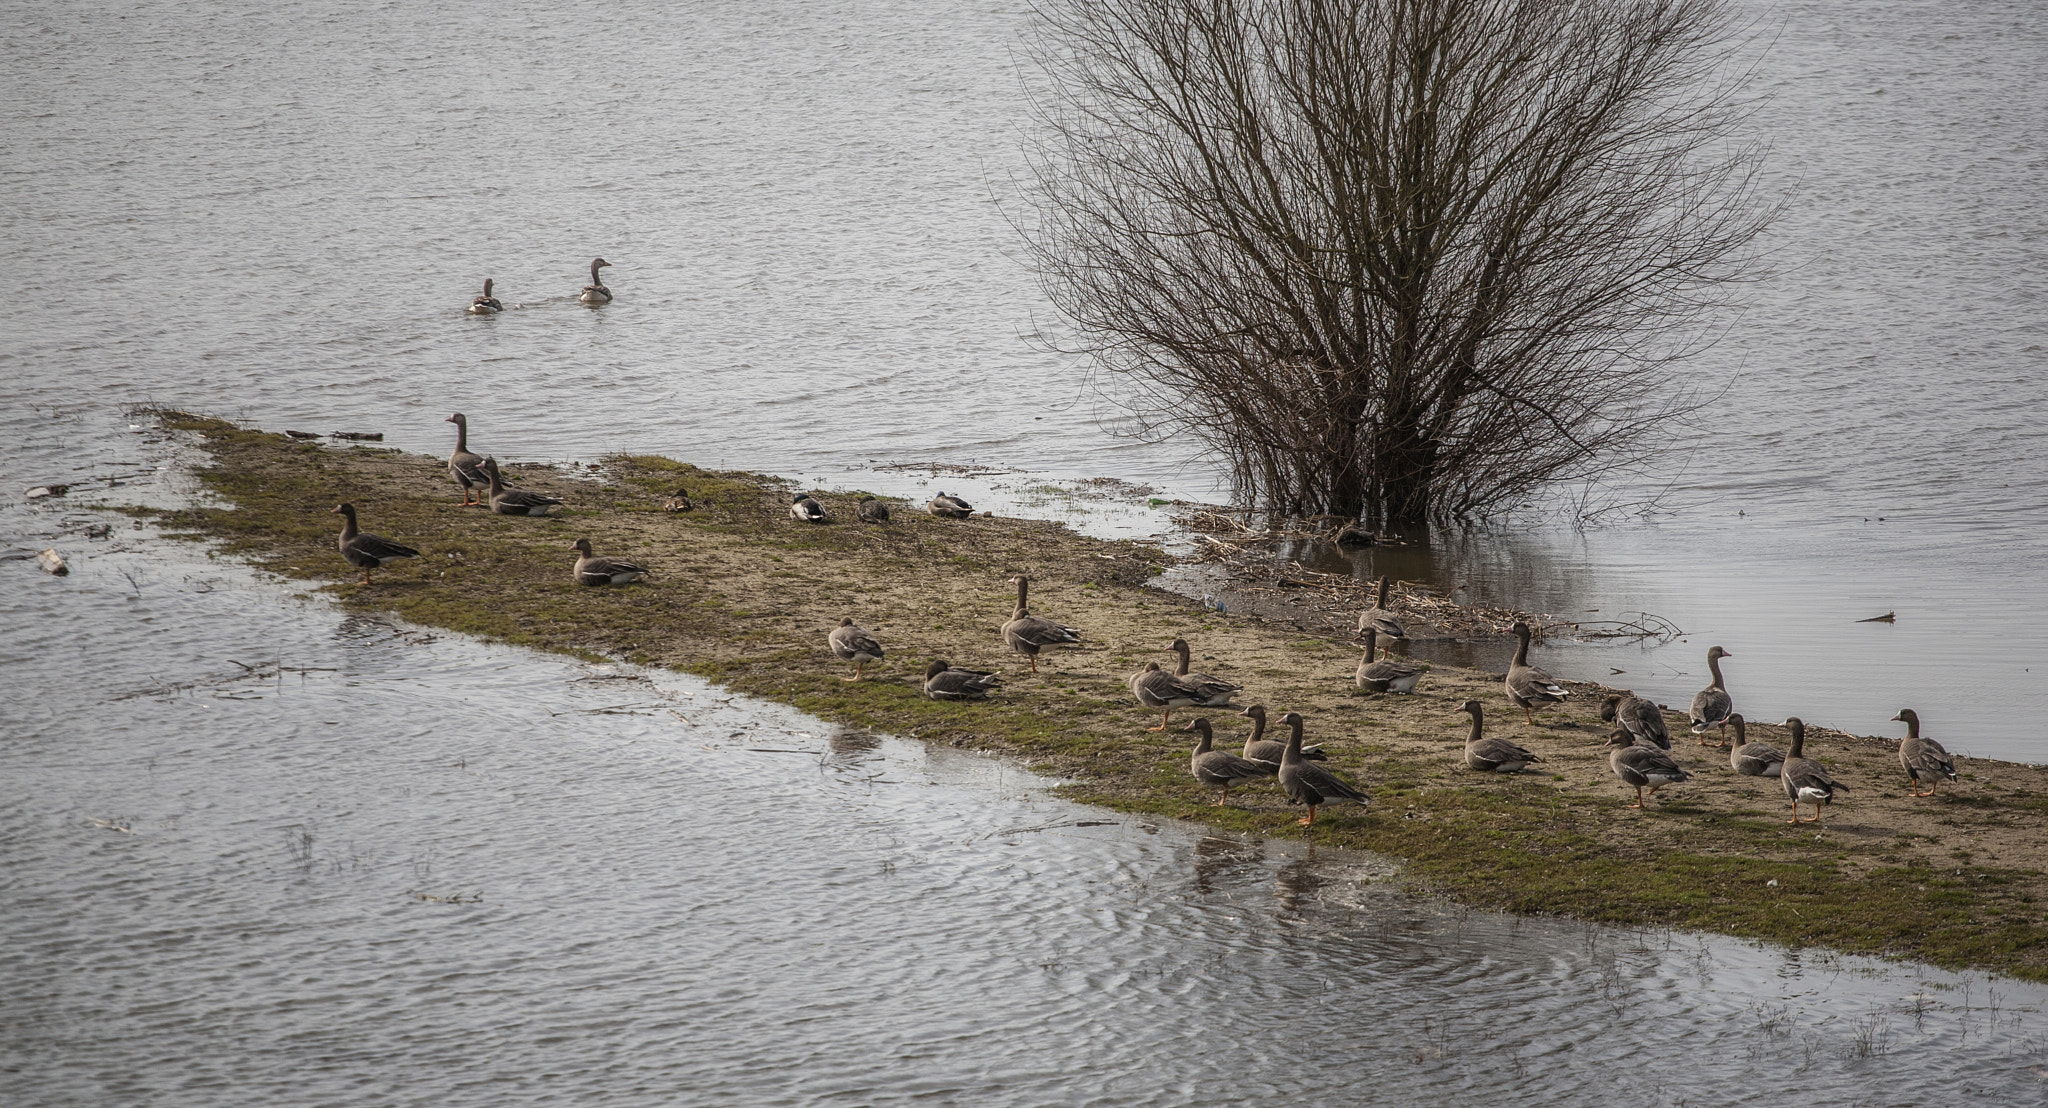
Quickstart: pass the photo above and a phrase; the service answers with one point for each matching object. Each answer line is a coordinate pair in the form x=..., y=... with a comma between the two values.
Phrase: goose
x=1029, y=634
x=1752, y=759
x=1924, y=759
x=1528, y=686
x=1378, y=618
x=1641, y=718
x=1711, y=705
x=945, y=681
x=1385, y=675
x=804, y=509
x=1308, y=783
x=515, y=502
x=1804, y=778
x=1258, y=748
x=1645, y=767
x=1221, y=768
x=465, y=466
x=872, y=510
x=364, y=550
x=1156, y=688
x=485, y=304
x=679, y=502
x=595, y=292
x=592, y=570
x=855, y=644
x=1492, y=755
x=1215, y=691
x=947, y=506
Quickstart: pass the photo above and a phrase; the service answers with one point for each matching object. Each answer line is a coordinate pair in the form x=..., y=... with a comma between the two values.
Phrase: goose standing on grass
x=465, y=466
x=872, y=510
x=1378, y=618
x=680, y=502
x=1644, y=767
x=1258, y=748
x=592, y=570
x=1156, y=688
x=515, y=502
x=1384, y=675
x=1029, y=634
x=1221, y=768
x=1528, y=686
x=945, y=681
x=1752, y=759
x=1214, y=691
x=485, y=304
x=1489, y=755
x=1711, y=705
x=1925, y=760
x=1308, y=783
x=947, y=506
x=1641, y=718
x=805, y=509
x=364, y=550
x=855, y=644
x=1804, y=778
x=595, y=292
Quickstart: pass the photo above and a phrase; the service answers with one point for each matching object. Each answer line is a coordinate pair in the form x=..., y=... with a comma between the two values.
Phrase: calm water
x=214, y=877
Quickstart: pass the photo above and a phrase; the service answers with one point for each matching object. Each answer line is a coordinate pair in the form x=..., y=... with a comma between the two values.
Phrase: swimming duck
x=1378, y=618
x=804, y=509
x=1029, y=634
x=1752, y=759
x=465, y=466
x=1156, y=688
x=515, y=502
x=1258, y=748
x=592, y=570
x=1215, y=691
x=485, y=304
x=680, y=502
x=364, y=550
x=1492, y=755
x=947, y=506
x=1641, y=718
x=1644, y=767
x=1528, y=686
x=1384, y=675
x=1308, y=783
x=854, y=644
x=595, y=292
x=1221, y=768
x=1925, y=760
x=872, y=510
x=1711, y=705
x=945, y=681
x=1804, y=778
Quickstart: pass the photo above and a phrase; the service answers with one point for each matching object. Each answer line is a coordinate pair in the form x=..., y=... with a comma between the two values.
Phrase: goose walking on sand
x=465, y=466
x=1378, y=618
x=1641, y=718
x=1028, y=634
x=1492, y=755
x=945, y=681
x=805, y=509
x=1711, y=705
x=1528, y=686
x=1215, y=692
x=1805, y=779
x=485, y=304
x=592, y=570
x=364, y=550
x=1926, y=761
x=595, y=292
x=508, y=501
x=1308, y=783
x=1752, y=759
x=1220, y=768
x=1156, y=688
x=1259, y=748
x=1384, y=675
x=855, y=644
x=948, y=506
x=1644, y=767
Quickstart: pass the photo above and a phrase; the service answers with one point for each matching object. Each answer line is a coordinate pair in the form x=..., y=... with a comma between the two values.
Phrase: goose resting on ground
x=1752, y=759
x=872, y=510
x=1214, y=691
x=1925, y=760
x=680, y=502
x=1156, y=688
x=1378, y=618
x=854, y=644
x=1641, y=718
x=1221, y=768
x=945, y=681
x=1528, y=686
x=515, y=502
x=592, y=570
x=946, y=506
x=1308, y=783
x=1804, y=778
x=1711, y=705
x=1029, y=634
x=485, y=304
x=465, y=466
x=1645, y=767
x=364, y=550
x=1258, y=748
x=1384, y=675
x=804, y=509
x=1492, y=755
x=595, y=292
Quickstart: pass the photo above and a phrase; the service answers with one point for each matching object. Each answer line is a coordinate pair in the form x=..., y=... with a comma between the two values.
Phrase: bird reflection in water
x=1214, y=857
x=1298, y=881
x=853, y=746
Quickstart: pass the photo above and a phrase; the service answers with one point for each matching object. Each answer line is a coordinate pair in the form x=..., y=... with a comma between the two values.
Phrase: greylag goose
x=1215, y=691
x=592, y=570
x=1492, y=755
x=1384, y=675
x=465, y=466
x=364, y=550
x=485, y=304
x=680, y=502
x=1804, y=778
x=872, y=510
x=1156, y=688
x=1221, y=768
x=947, y=506
x=1308, y=783
x=855, y=644
x=595, y=292
x=945, y=681
x=515, y=502
x=1711, y=705
x=1258, y=748
x=1641, y=718
x=1925, y=760
x=805, y=509
x=1378, y=618
x=1645, y=767
x=1528, y=686
x=1752, y=759
x=1029, y=634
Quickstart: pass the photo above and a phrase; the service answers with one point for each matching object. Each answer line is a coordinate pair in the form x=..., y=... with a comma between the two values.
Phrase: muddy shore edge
x=744, y=596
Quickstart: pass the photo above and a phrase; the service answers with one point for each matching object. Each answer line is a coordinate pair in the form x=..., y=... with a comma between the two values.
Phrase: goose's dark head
x=846, y=622
x=1907, y=715
x=599, y=263
x=1608, y=707
x=348, y=510
x=458, y=419
x=581, y=546
x=1199, y=727
x=937, y=667
x=1472, y=708
x=1256, y=711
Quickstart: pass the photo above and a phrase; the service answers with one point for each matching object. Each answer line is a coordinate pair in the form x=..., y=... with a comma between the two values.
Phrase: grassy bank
x=744, y=595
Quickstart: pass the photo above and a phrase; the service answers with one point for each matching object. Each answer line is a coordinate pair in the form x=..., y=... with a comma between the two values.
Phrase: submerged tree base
x=745, y=596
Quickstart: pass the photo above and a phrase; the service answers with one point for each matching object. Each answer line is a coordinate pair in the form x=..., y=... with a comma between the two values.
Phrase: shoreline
x=744, y=596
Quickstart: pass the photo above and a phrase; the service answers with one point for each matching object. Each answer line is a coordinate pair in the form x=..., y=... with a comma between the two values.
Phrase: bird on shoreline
x=1644, y=767
x=1221, y=768
x=1492, y=755
x=595, y=292
x=1804, y=778
x=364, y=550
x=466, y=467
x=1156, y=688
x=1028, y=634
x=805, y=509
x=1378, y=618
x=1711, y=705
x=1641, y=718
x=679, y=502
x=1258, y=748
x=1528, y=686
x=1384, y=675
x=945, y=681
x=872, y=510
x=1308, y=783
x=485, y=304
x=1214, y=691
x=593, y=570
x=508, y=501
x=947, y=506
x=1924, y=759
x=853, y=643
x=1752, y=759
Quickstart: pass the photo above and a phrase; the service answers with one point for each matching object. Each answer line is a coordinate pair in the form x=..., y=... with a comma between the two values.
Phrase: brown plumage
x=1220, y=768
x=1641, y=718
x=364, y=550
x=1804, y=778
x=1526, y=685
x=1924, y=759
x=1492, y=755
x=1308, y=783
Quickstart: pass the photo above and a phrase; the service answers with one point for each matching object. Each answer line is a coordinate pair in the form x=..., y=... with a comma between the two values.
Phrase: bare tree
x=1394, y=259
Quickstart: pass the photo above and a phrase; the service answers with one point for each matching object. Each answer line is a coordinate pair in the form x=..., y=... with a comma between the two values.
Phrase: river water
x=254, y=851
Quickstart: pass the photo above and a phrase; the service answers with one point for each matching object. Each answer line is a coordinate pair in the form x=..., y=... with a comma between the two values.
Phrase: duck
x=805, y=509
x=1215, y=691
x=1305, y=782
x=1711, y=705
x=948, y=506
x=1492, y=755
x=515, y=502
x=1641, y=718
x=855, y=644
x=1028, y=634
x=465, y=466
x=485, y=304
x=1384, y=675
x=1258, y=748
x=364, y=550
x=595, y=292
x=1378, y=618
x=1805, y=779
x=872, y=510
x=1644, y=767
x=945, y=681
x=1528, y=686
x=592, y=570
x=1924, y=759
x=1221, y=768
x=1156, y=688
x=679, y=501
x=1752, y=759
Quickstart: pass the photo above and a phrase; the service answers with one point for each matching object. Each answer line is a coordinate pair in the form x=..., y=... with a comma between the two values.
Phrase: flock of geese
x=593, y=293
x=1639, y=749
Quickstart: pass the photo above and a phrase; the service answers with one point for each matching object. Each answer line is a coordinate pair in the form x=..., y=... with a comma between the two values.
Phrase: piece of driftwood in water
x=52, y=563
x=360, y=436
x=1888, y=617
x=306, y=434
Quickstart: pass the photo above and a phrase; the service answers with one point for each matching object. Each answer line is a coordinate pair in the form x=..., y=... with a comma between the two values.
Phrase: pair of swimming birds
x=593, y=293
